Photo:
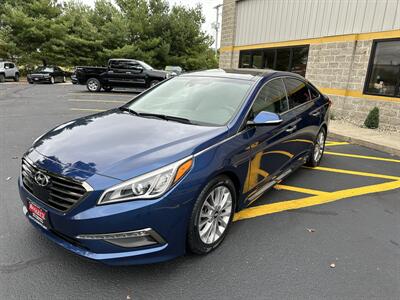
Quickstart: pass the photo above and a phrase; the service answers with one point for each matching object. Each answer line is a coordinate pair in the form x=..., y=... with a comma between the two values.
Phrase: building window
x=383, y=76
x=293, y=59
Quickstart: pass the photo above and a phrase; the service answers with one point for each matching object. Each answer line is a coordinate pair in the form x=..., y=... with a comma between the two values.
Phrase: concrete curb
x=371, y=145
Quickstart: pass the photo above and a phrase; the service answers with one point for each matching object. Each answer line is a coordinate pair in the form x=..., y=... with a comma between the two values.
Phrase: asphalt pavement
x=327, y=233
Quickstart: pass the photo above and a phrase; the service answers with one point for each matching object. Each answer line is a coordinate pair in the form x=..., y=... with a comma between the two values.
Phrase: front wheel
x=52, y=81
x=318, y=149
x=2, y=78
x=93, y=85
x=212, y=215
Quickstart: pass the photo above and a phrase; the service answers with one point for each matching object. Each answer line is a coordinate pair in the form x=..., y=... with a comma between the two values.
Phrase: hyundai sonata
x=165, y=173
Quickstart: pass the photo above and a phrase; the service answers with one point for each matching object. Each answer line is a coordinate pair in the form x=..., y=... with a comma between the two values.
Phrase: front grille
x=61, y=193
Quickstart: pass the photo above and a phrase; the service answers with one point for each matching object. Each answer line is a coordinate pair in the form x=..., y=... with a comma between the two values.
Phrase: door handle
x=315, y=113
x=291, y=129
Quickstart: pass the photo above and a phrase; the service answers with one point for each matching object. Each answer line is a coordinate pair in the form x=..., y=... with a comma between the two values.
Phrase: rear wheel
x=2, y=78
x=16, y=77
x=93, y=85
x=318, y=149
x=212, y=215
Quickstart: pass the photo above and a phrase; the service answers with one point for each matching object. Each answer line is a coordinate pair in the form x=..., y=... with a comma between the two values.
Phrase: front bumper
x=167, y=216
x=39, y=79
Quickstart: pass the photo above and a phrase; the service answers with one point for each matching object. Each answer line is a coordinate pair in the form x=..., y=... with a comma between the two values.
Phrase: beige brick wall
x=344, y=66
x=227, y=33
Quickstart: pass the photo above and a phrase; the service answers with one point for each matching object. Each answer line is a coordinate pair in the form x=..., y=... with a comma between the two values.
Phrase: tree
x=76, y=34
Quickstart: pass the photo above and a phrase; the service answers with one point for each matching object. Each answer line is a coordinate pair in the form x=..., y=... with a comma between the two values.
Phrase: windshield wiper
x=124, y=108
x=167, y=118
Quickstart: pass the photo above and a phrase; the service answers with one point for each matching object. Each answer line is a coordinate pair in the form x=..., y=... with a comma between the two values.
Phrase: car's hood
x=120, y=145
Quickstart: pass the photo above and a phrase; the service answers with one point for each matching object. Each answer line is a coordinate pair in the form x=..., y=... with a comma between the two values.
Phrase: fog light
x=129, y=239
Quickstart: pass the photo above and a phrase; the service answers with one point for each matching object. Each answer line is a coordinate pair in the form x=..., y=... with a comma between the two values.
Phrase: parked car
x=8, y=70
x=166, y=172
x=174, y=70
x=126, y=73
x=49, y=74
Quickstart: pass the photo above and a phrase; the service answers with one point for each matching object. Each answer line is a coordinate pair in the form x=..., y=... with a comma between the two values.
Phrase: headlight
x=148, y=186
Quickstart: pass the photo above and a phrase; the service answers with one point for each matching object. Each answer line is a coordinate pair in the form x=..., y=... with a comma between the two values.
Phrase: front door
x=269, y=151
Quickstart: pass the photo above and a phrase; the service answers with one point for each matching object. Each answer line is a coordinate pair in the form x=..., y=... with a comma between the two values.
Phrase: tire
x=93, y=85
x=16, y=77
x=2, y=78
x=107, y=88
x=52, y=81
x=64, y=79
x=154, y=82
x=318, y=149
x=203, y=216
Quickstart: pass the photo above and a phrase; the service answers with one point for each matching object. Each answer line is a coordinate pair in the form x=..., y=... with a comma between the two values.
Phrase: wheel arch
x=236, y=182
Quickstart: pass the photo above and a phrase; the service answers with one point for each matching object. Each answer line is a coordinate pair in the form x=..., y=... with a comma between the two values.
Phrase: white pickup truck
x=8, y=70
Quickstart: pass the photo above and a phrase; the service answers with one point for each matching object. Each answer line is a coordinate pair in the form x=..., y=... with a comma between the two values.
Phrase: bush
x=372, y=120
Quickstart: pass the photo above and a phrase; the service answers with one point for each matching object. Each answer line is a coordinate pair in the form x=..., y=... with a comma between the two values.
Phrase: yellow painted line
x=299, y=189
x=299, y=140
x=315, y=41
x=99, y=101
x=342, y=171
x=280, y=152
x=336, y=143
x=88, y=109
x=266, y=209
x=362, y=156
x=356, y=94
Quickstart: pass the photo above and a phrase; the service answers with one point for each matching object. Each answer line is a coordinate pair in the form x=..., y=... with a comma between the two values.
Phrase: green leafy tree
x=75, y=34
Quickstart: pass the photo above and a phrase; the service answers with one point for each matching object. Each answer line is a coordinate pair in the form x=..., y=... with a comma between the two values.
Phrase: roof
x=243, y=74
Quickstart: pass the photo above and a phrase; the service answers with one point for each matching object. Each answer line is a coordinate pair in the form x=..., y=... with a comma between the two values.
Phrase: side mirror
x=264, y=118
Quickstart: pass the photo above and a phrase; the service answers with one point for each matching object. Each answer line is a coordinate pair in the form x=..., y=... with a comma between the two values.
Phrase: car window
x=297, y=91
x=272, y=98
x=313, y=92
x=11, y=65
x=202, y=100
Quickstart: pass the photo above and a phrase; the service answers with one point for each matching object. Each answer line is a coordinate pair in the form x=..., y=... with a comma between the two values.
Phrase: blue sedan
x=165, y=173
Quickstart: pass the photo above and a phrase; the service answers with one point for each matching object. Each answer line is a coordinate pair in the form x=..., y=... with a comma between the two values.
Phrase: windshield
x=44, y=69
x=201, y=100
x=146, y=66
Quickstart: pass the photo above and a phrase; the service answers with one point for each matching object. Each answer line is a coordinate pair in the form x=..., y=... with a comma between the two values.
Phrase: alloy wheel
x=319, y=146
x=215, y=214
x=92, y=85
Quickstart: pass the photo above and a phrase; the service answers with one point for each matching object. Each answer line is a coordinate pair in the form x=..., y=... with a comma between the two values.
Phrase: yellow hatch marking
x=299, y=189
x=261, y=210
x=362, y=156
x=336, y=143
x=354, y=173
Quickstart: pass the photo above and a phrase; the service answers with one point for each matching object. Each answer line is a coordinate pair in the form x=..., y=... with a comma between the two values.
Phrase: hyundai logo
x=42, y=179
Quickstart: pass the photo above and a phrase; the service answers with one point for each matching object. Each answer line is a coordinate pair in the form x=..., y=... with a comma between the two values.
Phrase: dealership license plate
x=37, y=214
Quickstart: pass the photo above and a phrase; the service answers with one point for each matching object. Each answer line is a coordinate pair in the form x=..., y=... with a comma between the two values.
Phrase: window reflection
x=384, y=70
x=292, y=59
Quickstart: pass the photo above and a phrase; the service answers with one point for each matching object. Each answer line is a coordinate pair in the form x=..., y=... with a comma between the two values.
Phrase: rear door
x=304, y=108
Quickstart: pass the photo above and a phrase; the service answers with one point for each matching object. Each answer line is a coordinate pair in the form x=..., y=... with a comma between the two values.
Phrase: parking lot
x=330, y=232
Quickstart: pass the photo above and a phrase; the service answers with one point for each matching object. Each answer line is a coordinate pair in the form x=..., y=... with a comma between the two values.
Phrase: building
x=350, y=49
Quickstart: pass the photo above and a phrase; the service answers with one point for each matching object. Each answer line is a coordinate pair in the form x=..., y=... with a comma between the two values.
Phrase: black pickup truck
x=119, y=73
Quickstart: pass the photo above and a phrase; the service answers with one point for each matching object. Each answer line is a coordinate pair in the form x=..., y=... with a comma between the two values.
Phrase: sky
x=208, y=11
